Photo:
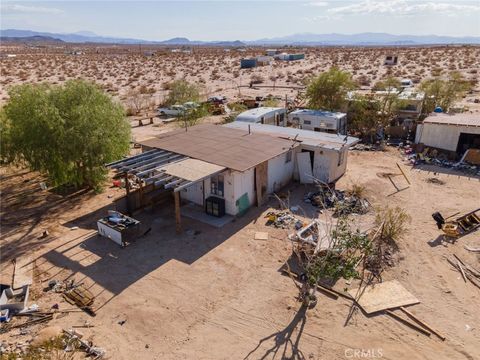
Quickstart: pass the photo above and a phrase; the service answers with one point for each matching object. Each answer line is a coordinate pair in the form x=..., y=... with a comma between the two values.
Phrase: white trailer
x=264, y=115
x=317, y=120
x=119, y=228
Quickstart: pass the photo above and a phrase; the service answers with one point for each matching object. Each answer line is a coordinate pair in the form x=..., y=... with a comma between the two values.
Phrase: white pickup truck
x=174, y=110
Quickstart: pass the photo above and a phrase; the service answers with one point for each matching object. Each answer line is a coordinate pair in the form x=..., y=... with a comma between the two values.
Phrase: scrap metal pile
x=342, y=202
x=467, y=164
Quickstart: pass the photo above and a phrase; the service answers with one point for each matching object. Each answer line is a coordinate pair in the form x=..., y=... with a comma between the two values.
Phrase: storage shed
x=319, y=120
x=452, y=133
x=264, y=115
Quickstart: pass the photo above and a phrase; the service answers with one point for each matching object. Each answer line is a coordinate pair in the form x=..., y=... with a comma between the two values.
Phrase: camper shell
x=264, y=115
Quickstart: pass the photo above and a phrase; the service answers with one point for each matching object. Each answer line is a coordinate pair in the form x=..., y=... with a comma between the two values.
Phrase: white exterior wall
x=194, y=193
x=442, y=136
x=326, y=164
x=279, y=172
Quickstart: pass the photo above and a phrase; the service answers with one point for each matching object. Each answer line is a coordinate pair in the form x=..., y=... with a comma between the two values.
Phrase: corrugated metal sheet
x=232, y=148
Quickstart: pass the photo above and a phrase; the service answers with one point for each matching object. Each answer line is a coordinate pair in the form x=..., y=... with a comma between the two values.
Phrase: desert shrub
x=182, y=91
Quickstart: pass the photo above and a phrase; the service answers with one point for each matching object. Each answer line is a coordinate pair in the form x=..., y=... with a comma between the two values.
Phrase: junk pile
x=469, y=163
x=283, y=220
x=75, y=294
x=343, y=203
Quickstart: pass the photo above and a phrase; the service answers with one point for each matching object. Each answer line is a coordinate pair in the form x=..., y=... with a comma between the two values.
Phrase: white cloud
x=318, y=3
x=401, y=8
x=24, y=9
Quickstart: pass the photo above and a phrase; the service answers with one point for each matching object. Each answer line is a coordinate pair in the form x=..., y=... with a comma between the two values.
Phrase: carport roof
x=235, y=149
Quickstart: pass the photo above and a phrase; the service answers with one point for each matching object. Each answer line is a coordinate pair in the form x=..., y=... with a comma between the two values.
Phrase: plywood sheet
x=386, y=295
x=261, y=235
x=191, y=169
x=305, y=168
x=23, y=272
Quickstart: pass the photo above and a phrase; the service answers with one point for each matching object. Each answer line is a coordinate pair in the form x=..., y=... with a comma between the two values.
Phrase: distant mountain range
x=306, y=39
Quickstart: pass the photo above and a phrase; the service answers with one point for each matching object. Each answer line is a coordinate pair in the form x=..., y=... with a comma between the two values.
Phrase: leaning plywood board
x=386, y=295
x=305, y=168
x=23, y=272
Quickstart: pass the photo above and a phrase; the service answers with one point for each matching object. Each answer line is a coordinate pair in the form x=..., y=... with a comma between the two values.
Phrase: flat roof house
x=227, y=169
x=453, y=133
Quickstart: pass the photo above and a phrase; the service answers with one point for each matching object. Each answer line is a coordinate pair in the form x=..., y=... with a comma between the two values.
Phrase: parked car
x=191, y=105
x=174, y=110
x=217, y=100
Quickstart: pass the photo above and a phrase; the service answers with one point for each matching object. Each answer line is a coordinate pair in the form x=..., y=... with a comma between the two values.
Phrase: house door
x=305, y=166
x=261, y=182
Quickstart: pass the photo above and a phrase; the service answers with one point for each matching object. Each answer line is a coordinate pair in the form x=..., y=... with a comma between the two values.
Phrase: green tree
x=67, y=132
x=192, y=117
x=329, y=90
x=181, y=91
x=443, y=92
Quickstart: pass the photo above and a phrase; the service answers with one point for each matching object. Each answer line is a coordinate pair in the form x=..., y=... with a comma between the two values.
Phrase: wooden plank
x=405, y=176
x=424, y=324
x=23, y=272
x=386, y=295
x=408, y=323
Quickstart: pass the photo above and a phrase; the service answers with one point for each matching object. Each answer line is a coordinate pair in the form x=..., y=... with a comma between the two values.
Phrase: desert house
x=453, y=134
x=391, y=60
x=289, y=57
x=327, y=153
x=319, y=120
x=264, y=115
x=223, y=170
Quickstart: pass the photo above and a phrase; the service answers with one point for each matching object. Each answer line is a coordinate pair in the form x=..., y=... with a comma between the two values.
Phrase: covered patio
x=159, y=171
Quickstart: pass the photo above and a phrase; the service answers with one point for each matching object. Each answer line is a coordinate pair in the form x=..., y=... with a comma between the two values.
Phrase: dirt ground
x=218, y=294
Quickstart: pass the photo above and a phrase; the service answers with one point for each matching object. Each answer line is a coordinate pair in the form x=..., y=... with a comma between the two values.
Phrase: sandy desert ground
x=218, y=294
x=125, y=70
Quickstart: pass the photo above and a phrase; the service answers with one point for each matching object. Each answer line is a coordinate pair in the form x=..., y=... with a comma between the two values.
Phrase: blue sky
x=243, y=20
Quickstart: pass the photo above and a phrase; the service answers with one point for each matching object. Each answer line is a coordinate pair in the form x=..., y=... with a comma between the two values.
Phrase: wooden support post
x=178, y=225
x=424, y=324
x=127, y=188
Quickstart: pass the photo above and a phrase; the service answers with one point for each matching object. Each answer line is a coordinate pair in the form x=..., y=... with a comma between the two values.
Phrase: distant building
x=248, y=63
x=318, y=120
x=271, y=52
x=391, y=60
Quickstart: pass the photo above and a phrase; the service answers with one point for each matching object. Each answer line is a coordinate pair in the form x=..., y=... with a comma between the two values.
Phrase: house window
x=288, y=156
x=216, y=185
x=307, y=122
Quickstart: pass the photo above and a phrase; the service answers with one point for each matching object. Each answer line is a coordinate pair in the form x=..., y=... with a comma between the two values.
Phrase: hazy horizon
x=243, y=20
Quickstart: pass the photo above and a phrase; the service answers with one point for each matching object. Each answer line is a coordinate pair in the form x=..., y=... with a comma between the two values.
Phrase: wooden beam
x=424, y=324
x=178, y=224
x=152, y=167
x=133, y=159
x=127, y=159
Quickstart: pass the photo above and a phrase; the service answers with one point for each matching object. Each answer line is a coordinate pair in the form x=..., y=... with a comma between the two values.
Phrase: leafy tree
x=181, y=91
x=67, y=132
x=329, y=90
x=443, y=93
x=362, y=115
x=191, y=117
x=388, y=84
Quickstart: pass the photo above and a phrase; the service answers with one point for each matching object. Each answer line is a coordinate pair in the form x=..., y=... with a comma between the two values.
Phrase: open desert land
x=214, y=293
x=219, y=293
x=125, y=71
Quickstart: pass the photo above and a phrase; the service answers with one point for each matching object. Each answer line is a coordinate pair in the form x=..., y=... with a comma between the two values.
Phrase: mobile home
x=318, y=120
x=264, y=115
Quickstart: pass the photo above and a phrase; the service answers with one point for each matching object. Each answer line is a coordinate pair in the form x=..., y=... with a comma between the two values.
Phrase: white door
x=305, y=168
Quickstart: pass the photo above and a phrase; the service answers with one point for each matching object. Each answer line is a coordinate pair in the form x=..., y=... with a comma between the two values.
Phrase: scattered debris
x=74, y=341
x=460, y=226
x=282, y=219
x=82, y=297
x=468, y=272
x=471, y=249
x=343, y=202
x=436, y=181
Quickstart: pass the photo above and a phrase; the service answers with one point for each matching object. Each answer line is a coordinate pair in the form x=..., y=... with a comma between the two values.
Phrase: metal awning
x=166, y=169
